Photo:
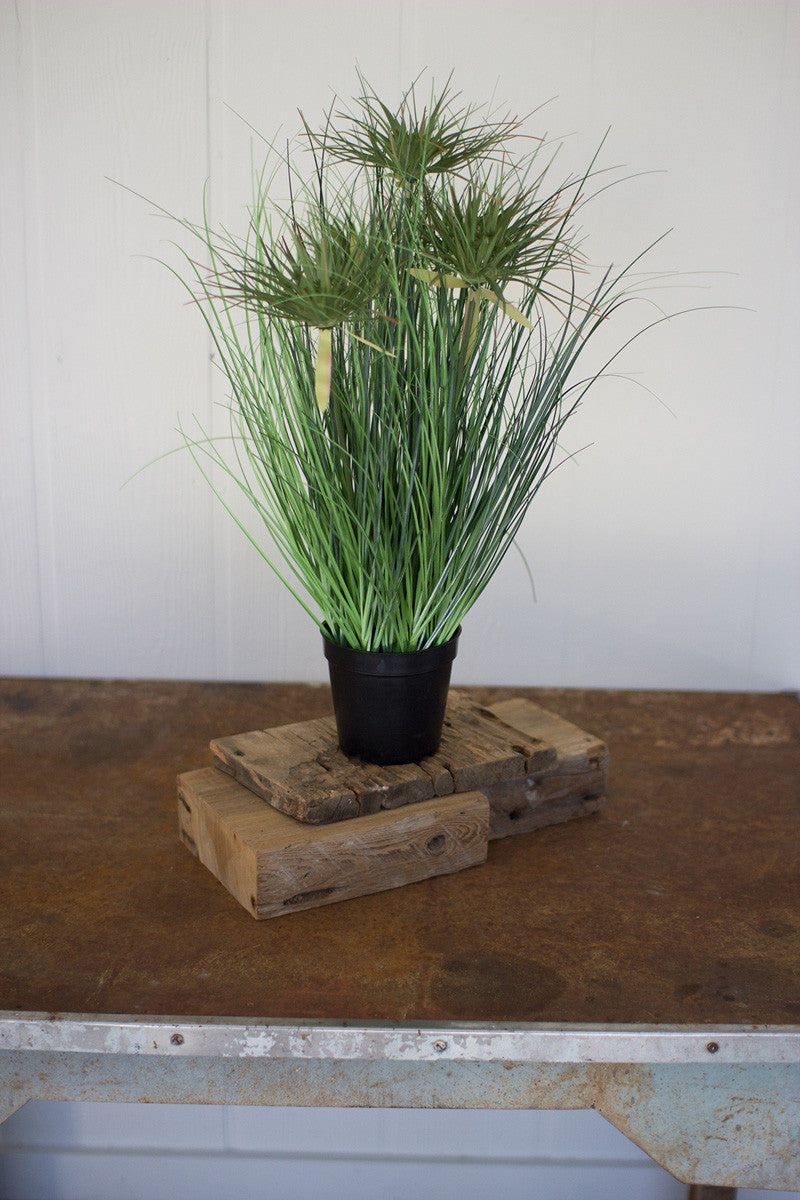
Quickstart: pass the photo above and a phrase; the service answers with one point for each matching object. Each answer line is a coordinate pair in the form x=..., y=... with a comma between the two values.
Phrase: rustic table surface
x=675, y=910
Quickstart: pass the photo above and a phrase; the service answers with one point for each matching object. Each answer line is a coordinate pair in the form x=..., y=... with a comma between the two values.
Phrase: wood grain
x=574, y=787
x=275, y=865
x=535, y=768
x=300, y=771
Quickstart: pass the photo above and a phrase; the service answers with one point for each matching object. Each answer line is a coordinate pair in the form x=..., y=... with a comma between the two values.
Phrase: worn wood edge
x=369, y=789
x=517, y=752
x=282, y=799
x=531, y=718
x=478, y=750
x=530, y=818
x=461, y=820
x=539, y=754
x=341, y=860
x=228, y=755
x=471, y=752
x=575, y=788
x=207, y=837
x=524, y=795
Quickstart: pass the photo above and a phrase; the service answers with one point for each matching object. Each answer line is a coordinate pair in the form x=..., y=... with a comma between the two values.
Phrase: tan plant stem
x=322, y=373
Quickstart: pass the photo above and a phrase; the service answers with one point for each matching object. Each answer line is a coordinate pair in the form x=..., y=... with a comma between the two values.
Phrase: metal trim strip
x=375, y=1041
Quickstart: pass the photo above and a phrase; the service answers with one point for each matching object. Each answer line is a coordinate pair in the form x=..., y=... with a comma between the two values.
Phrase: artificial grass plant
x=401, y=342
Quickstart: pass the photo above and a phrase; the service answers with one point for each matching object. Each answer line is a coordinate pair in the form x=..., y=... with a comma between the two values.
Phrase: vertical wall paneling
x=113, y=87
x=775, y=394
x=20, y=611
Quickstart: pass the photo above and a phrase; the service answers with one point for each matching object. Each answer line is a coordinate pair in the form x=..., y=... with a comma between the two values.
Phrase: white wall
x=669, y=556
x=54, y=1151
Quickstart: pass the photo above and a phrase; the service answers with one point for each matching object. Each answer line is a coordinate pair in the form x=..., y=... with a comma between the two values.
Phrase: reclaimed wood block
x=479, y=749
x=299, y=769
x=275, y=865
x=575, y=787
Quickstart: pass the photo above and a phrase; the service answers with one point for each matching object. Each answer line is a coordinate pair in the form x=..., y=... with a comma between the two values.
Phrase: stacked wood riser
x=286, y=822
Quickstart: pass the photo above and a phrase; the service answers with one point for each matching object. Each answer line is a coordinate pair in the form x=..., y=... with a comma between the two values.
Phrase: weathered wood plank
x=470, y=720
x=478, y=750
x=573, y=788
x=577, y=750
x=275, y=865
x=287, y=767
x=300, y=771
x=521, y=808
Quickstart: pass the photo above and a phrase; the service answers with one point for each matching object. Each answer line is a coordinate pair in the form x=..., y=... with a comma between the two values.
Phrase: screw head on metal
x=440, y=1046
x=712, y=1047
x=177, y=1039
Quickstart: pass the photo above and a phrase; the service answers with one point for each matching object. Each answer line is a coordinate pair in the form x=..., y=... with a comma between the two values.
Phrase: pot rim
x=390, y=662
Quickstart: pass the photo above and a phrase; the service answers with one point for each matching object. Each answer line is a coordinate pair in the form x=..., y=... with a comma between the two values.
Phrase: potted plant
x=401, y=338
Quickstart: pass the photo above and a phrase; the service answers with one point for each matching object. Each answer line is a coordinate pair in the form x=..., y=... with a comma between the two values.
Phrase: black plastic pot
x=389, y=707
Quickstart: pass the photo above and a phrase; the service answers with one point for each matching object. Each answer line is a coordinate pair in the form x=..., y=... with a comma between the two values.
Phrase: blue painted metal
x=713, y=1105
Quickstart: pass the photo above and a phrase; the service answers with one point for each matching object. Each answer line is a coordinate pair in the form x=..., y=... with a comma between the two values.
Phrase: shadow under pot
x=390, y=707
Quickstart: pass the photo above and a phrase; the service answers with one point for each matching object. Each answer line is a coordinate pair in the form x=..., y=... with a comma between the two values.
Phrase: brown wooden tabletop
x=678, y=903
